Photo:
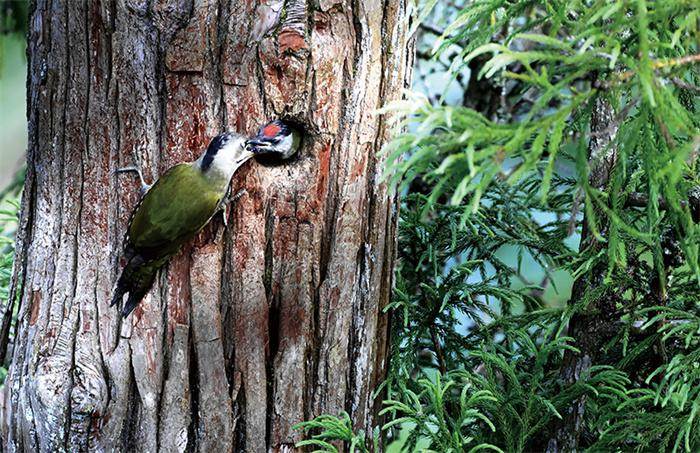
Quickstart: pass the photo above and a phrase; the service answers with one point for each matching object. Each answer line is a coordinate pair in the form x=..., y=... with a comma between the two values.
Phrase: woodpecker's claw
x=238, y=196
x=224, y=215
x=227, y=202
x=144, y=187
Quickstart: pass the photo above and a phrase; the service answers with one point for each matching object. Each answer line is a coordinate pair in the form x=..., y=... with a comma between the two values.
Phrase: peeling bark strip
x=252, y=328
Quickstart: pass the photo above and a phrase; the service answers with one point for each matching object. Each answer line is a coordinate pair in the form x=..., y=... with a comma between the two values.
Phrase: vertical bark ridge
x=21, y=432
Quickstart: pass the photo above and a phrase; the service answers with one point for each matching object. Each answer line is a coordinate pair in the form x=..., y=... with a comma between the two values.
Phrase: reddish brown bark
x=254, y=327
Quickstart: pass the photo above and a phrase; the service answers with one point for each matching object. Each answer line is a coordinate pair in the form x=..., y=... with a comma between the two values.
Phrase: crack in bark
x=221, y=34
x=68, y=422
x=240, y=428
x=128, y=431
x=194, y=398
x=273, y=346
x=166, y=348
x=71, y=380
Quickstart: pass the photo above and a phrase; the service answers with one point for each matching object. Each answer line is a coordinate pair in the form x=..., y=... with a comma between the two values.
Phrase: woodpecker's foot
x=224, y=215
x=236, y=197
x=227, y=201
x=144, y=187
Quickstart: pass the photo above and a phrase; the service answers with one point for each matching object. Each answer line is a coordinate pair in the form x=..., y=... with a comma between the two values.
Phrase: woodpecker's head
x=225, y=153
x=277, y=139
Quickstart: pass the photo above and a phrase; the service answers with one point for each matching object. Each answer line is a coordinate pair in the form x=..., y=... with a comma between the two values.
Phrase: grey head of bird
x=277, y=139
x=224, y=155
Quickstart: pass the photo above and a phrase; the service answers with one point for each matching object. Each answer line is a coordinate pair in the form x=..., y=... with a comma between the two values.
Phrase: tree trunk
x=595, y=324
x=253, y=327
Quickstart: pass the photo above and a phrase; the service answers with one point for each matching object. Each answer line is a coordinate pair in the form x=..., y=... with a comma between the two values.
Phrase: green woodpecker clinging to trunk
x=183, y=200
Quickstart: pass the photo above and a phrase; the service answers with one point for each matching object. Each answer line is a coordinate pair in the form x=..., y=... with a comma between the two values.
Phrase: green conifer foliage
x=574, y=152
x=9, y=213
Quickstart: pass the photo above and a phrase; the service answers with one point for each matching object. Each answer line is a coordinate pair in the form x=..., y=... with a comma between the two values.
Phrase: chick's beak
x=259, y=146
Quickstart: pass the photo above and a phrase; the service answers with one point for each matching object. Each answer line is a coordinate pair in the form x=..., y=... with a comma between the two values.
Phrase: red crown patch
x=271, y=130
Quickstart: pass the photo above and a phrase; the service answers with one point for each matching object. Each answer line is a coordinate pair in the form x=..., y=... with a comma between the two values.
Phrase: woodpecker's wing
x=178, y=205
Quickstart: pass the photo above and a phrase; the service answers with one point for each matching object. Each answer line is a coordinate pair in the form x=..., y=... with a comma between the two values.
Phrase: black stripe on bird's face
x=214, y=147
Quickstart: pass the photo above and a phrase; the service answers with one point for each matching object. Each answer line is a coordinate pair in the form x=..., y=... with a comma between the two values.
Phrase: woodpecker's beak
x=258, y=146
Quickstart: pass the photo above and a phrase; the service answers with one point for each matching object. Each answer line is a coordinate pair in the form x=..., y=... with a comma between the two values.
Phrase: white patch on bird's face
x=228, y=159
x=285, y=146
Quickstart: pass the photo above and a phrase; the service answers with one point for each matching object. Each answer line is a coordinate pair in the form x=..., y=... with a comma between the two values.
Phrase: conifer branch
x=622, y=77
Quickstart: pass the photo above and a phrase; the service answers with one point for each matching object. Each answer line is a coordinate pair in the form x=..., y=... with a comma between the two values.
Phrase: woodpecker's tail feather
x=135, y=297
x=118, y=295
x=136, y=280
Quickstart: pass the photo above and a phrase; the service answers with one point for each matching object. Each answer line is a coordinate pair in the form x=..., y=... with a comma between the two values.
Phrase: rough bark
x=593, y=325
x=254, y=327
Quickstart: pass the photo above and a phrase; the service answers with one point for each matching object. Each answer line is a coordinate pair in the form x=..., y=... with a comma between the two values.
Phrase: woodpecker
x=183, y=200
x=173, y=210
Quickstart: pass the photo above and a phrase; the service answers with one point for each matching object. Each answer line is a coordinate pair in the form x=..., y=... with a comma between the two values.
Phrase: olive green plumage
x=173, y=211
x=180, y=203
